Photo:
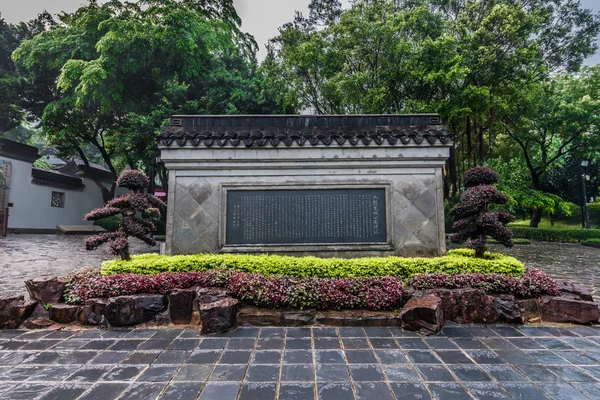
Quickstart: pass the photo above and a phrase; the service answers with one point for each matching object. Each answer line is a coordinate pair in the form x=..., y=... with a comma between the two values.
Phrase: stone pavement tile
x=70, y=344
x=191, y=334
x=440, y=343
x=329, y=357
x=586, y=331
x=34, y=334
x=115, y=333
x=90, y=373
x=89, y=334
x=228, y=373
x=172, y=357
x=366, y=373
x=235, y=357
x=43, y=358
x=143, y=391
x=435, y=373
x=203, y=357
x=12, y=344
x=410, y=391
x=562, y=391
x=355, y=343
x=516, y=357
x=455, y=332
x=193, y=373
x=104, y=391
x=487, y=391
x=17, y=374
x=298, y=344
x=532, y=331
x=40, y=344
x=422, y=357
x=332, y=373
x=269, y=344
x=373, y=390
x=570, y=374
x=592, y=370
x=537, y=373
x=526, y=343
x=182, y=391
x=325, y=333
x=577, y=358
x=158, y=373
x=126, y=345
x=453, y=357
x=14, y=358
x=241, y=344
x=266, y=357
x=377, y=332
x=554, y=344
x=558, y=332
x=469, y=343
x=335, y=391
x=469, y=373
x=546, y=357
x=258, y=391
x=124, y=373
x=507, y=331
x=297, y=373
x=54, y=373
x=401, y=373
x=498, y=343
x=327, y=343
x=246, y=332
x=168, y=334
x=412, y=344
x=298, y=333
x=352, y=332
x=271, y=333
x=140, y=334
x=11, y=333
x=27, y=391
x=263, y=373
x=141, y=357
x=98, y=344
x=110, y=357
x=298, y=357
x=78, y=357
x=591, y=389
x=503, y=373
x=65, y=392
x=580, y=343
x=383, y=343
x=448, y=391
x=297, y=391
x=391, y=356
x=485, y=357
x=399, y=332
x=524, y=391
x=360, y=357
x=155, y=344
x=482, y=332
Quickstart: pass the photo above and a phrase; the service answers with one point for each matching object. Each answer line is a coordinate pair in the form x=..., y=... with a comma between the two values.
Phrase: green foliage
x=593, y=240
x=110, y=224
x=456, y=261
x=42, y=164
x=556, y=235
x=547, y=203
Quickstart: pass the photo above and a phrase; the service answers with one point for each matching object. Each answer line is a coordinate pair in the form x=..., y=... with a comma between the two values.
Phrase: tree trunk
x=480, y=252
x=481, y=146
x=453, y=175
x=536, y=217
x=469, y=143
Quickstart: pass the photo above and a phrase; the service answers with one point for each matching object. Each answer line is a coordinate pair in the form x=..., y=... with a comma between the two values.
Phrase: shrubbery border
x=556, y=235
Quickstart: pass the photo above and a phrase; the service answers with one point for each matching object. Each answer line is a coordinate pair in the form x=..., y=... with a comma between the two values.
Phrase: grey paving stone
x=546, y=357
x=258, y=391
x=54, y=373
x=412, y=343
x=141, y=357
x=455, y=332
x=90, y=373
x=191, y=334
x=327, y=343
x=503, y=373
x=27, y=391
x=203, y=357
x=98, y=344
x=507, y=331
x=576, y=357
x=143, y=391
x=498, y=343
x=141, y=334
x=570, y=374
x=516, y=357
x=373, y=390
x=351, y=332
x=360, y=357
x=298, y=344
x=263, y=373
x=172, y=357
x=155, y=344
x=533, y=331
x=194, y=373
x=401, y=373
x=482, y=331
x=110, y=357
x=115, y=333
x=355, y=343
x=440, y=343
x=246, y=332
x=269, y=344
x=410, y=391
x=329, y=356
x=14, y=358
x=383, y=343
x=297, y=391
x=537, y=373
x=104, y=391
x=377, y=332
x=297, y=373
x=562, y=391
x=435, y=373
x=391, y=356
x=325, y=333
x=366, y=373
x=65, y=392
x=422, y=357
x=469, y=343
x=526, y=343
x=484, y=357
x=12, y=344
x=267, y=357
x=235, y=357
x=453, y=357
x=182, y=391
x=270, y=333
x=158, y=373
x=18, y=373
x=126, y=345
x=241, y=344
x=448, y=391
x=298, y=357
x=399, y=332
x=332, y=373
x=228, y=373
x=184, y=344
x=469, y=373
x=124, y=373
x=298, y=333
x=335, y=391
x=487, y=391
x=169, y=334
x=524, y=391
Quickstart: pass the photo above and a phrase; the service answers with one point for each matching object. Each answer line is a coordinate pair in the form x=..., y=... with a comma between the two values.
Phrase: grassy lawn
x=562, y=222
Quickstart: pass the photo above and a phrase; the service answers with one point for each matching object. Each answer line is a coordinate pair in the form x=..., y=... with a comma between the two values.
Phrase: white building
x=38, y=200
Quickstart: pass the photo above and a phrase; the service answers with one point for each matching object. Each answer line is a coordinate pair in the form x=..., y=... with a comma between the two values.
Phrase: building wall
x=32, y=202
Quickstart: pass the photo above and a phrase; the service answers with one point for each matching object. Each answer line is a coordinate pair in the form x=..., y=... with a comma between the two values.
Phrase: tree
x=128, y=207
x=474, y=220
x=119, y=71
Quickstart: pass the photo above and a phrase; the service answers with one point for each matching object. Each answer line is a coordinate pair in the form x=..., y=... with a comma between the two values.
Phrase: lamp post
x=586, y=214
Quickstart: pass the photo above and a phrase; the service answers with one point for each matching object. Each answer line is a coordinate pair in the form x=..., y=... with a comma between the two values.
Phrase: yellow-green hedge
x=456, y=261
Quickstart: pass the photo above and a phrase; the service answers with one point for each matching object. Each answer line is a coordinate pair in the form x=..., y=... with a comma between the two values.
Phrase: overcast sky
x=261, y=17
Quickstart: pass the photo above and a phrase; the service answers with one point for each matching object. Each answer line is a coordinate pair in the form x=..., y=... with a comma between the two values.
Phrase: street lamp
x=586, y=215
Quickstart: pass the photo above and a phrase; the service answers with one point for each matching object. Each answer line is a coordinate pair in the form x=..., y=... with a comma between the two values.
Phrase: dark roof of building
x=56, y=178
x=273, y=130
x=94, y=170
x=18, y=151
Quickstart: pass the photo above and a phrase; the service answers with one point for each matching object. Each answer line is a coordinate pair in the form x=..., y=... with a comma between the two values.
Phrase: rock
x=181, y=306
x=255, y=316
x=63, y=313
x=423, y=314
x=133, y=310
x=358, y=318
x=37, y=323
x=575, y=291
x=39, y=312
x=91, y=311
x=530, y=309
x=298, y=317
x=46, y=290
x=507, y=309
x=565, y=309
x=466, y=306
x=14, y=310
x=219, y=315
x=207, y=295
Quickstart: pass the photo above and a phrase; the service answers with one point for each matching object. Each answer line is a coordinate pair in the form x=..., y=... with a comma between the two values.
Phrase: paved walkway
x=299, y=363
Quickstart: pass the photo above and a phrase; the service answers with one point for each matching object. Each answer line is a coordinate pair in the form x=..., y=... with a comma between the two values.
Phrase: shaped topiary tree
x=129, y=206
x=474, y=221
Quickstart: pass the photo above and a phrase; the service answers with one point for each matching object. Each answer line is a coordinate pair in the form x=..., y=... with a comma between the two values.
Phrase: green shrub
x=556, y=235
x=456, y=261
x=111, y=224
x=593, y=240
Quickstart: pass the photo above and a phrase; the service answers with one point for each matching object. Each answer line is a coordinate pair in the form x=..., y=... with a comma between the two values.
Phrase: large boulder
x=46, y=290
x=181, y=304
x=14, y=310
x=530, y=310
x=507, y=308
x=219, y=315
x=256, y=316
x=207, y=295
x=133, y=310
x=575, y=291
x=91, y=311
x=63, y=313
x=565, y=309
x=466, y=306
x=423, y=314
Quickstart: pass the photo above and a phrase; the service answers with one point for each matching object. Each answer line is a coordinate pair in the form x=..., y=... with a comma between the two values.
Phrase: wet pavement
x=474, y=362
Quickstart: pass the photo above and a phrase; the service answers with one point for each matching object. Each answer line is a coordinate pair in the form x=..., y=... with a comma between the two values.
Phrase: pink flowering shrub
x=533, y=283
x=128, y=206
x=473, y=219
x=260, y=290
